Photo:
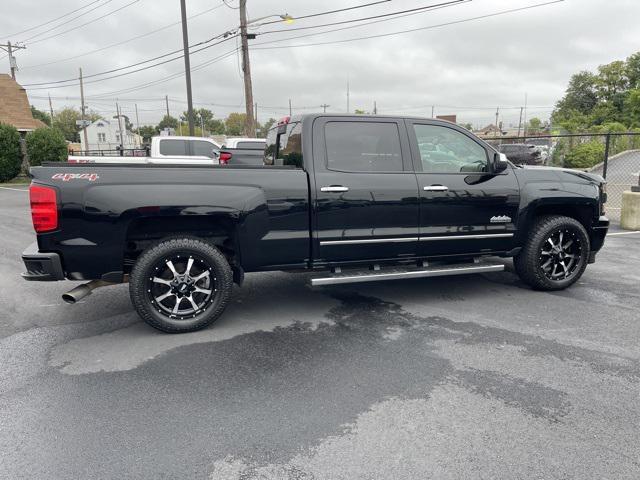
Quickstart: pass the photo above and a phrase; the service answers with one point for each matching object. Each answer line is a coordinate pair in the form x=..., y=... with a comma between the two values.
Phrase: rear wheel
x=180, y=285
x=555, y=254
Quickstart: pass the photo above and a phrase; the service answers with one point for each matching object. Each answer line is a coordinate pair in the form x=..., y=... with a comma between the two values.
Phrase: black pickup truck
x=349, y=198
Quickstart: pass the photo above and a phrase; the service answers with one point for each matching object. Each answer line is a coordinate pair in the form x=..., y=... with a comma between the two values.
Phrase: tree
x=215, y=127
x=65, y=122
x=633, y=70
x=10, y=155
x=46, y=145
x=167, y=122
x=585, y=155
x=611, y=80
x=40, y=115
x=534, y=126
x=146, y=132
x=235, y=123
x=264, y=129
x=468, y=126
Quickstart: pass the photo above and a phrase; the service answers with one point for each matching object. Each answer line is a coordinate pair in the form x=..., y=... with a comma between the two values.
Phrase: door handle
x=436, y=188
x=334, y=189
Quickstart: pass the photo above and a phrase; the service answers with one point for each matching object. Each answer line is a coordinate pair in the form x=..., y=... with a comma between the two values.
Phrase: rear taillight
x=224, y=158
x=44, y=208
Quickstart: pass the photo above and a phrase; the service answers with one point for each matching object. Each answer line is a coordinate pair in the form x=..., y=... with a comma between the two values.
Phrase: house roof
x=14, y=105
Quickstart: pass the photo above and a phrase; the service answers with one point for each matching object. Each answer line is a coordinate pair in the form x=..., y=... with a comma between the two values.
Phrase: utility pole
x=324, y=107
x=525, y=115
x=166, y=101
x=120, y=129
x=137, y=121
x=201, y=126
x=348, y=106
x=495, y=132
x=255, y=114
x=290, y=109
x=375, y=107
x=83, y=108
x=9, y=48
x=51, y=109
x=520, y=121
x=246, y=70
x=433, y=109
x=187, y=66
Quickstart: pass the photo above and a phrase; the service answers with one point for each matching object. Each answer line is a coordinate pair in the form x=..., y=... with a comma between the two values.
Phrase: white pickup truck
x=164, y=150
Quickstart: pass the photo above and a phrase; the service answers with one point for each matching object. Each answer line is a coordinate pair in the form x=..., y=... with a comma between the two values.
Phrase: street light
x=285, y=17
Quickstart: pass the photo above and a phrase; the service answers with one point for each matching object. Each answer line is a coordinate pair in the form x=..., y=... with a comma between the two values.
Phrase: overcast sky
x=466, y=68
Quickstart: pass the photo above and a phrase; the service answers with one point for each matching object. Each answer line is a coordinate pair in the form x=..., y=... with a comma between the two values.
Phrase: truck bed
x=107, y=209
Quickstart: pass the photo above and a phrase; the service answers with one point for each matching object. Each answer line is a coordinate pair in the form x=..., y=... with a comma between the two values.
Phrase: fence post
x=606, y=155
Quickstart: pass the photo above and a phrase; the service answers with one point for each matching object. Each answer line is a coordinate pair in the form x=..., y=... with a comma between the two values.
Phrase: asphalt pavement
x=460, y=377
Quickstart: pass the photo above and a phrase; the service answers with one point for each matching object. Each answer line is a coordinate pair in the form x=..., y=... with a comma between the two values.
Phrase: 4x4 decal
x=65, y=177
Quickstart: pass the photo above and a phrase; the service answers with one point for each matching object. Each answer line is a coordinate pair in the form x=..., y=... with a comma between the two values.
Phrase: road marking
x=622, y=233
x=16, y=189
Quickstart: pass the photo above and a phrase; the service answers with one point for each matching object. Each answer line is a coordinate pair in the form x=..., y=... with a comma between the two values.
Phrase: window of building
x=102, y=137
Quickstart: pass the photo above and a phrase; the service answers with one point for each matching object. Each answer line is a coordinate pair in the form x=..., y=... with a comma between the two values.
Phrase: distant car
x=164, y=150
x=523, y=153
x=243, y=151
x=247, y=143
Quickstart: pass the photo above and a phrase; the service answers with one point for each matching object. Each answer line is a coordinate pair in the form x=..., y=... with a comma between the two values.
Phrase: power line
x=55, y=19
x=70, y=20
x=455, y=22
x=330, y=12
x=86, y=23
x=118, y=43
x=342, y=22
x=56, y=83
x=404, y=12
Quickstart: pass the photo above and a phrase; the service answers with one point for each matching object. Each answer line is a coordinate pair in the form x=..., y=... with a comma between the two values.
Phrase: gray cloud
x=467, y=68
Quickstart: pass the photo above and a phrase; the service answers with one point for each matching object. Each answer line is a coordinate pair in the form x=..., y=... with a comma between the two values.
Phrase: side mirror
x=500, y=162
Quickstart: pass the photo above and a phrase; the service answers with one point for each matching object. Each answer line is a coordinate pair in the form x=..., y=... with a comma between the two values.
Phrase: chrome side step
x=397, y=273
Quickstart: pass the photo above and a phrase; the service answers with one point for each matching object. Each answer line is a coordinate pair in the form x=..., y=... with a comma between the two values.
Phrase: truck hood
x=591, y=177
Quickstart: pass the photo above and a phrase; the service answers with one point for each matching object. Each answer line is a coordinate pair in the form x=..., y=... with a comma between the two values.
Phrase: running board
x=398, y=274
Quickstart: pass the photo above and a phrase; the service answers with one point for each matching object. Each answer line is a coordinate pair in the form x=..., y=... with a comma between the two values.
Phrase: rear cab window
x=284, y=148
x=251, y=145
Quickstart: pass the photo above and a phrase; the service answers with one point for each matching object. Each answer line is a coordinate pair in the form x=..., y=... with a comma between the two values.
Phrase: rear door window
x=173, y=148
x=363, y=146
x=202, y=149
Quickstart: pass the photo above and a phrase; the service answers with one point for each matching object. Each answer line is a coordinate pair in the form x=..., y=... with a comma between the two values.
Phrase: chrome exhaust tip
x=81, y=291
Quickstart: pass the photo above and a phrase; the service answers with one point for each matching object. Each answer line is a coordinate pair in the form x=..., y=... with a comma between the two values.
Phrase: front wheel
x=180, y=285
x=555, y=254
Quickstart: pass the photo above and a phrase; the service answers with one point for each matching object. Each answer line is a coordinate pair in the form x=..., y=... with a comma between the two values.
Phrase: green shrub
x=10, y=155
x=46, y=145
x=585, y=155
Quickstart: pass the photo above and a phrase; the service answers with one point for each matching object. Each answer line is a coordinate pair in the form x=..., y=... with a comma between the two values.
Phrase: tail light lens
x=224, y=158
x=44, y=208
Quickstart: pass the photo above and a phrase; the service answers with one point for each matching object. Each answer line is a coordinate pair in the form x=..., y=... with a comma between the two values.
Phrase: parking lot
x=462, y=377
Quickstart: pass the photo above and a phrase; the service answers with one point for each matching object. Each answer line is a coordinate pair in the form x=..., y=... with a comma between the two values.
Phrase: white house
x=105, y=135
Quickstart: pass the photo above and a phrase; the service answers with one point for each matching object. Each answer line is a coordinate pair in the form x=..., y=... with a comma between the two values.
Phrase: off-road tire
x=209, y=258
x=529, y=262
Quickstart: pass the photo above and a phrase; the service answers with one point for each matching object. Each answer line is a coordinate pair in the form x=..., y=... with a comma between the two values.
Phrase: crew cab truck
x=348, y=198
x=164, y=150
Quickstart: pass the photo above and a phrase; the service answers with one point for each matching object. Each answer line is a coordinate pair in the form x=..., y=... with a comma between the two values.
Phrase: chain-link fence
x=615, y=156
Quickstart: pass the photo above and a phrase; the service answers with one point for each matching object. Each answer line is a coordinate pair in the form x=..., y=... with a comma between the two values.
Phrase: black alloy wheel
x=181, y=284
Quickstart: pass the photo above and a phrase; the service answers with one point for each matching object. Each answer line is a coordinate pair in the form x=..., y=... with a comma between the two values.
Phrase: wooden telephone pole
x=250, y=124
x=9, y=48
